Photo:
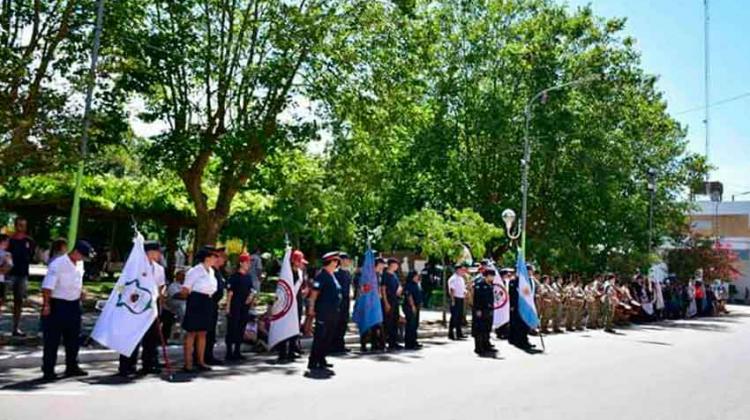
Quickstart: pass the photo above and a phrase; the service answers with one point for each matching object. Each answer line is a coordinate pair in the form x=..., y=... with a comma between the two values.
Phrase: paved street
x=697, y=369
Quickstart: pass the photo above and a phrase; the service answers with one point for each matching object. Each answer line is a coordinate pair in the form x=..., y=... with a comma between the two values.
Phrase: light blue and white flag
x=526, y=306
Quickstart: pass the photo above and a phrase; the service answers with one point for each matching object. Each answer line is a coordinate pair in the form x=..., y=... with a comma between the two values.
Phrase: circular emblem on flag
x=135, y=298
x=501, y=295
x=284, y=300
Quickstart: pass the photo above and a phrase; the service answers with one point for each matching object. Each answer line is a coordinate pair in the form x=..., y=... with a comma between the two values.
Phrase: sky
x=669, y=35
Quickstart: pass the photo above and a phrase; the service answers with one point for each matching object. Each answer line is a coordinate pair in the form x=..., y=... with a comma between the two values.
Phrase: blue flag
x=526, y=306
x=367, y=310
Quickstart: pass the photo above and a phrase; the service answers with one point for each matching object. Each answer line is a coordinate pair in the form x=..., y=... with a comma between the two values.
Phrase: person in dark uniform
x=151, y=339
x=375, y=334
x=482, y=312
x=324, y=305
x=344, y=277
x=412, y=306
x=391, y=292
x=240, y=295
x=221, y=260
x=519, y=331
x=61, y=310
x=198, y=287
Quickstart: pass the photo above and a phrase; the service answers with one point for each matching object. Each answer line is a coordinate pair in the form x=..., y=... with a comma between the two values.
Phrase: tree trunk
x=208, y=228
x=172, y=232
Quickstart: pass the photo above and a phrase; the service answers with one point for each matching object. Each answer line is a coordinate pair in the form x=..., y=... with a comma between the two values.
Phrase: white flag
x=284, y=318
x=131, y=308
x=501, y=315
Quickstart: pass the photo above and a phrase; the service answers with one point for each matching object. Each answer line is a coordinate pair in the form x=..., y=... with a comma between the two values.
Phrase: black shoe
x=151, y=370
x=363, y=349
x=186, y=369
x=239, y=357
x=18, y=333
x=214, y=362
x=327, y=365
x=124, y=373
x=451, y=337
x=75, y=372
x=204, y=368
x=50, y=377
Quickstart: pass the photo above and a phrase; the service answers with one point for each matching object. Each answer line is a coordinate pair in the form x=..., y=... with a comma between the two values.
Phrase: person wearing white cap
x=325, y=301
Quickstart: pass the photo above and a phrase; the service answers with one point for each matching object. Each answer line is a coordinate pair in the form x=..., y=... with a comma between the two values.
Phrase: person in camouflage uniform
x=593, y=302
x=578, y=302
x=608, y=302
x=558, y=304
x=545, y=304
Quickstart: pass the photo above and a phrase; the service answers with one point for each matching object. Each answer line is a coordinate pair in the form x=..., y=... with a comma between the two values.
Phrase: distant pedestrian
x=22, y=248
x=457, y=292
x=62, y=289
x=6, y=263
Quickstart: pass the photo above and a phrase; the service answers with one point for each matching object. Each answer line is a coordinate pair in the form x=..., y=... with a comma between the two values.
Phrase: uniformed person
x=412, y=305
x=375, y=334
x=558, y=299
x=608, y=302
x=482, y=312
x=324, y=305
x=151, y=339
x=344, y=276
x=61, y=310
x=199, y=285
x=457, y=293
x=220, y=262
x=240, y=296
x=593, y=302
x=545, y=303
x=391, y=291
x=519, y=331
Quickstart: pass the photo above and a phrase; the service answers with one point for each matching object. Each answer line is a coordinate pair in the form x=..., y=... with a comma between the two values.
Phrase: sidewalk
x=27, y=352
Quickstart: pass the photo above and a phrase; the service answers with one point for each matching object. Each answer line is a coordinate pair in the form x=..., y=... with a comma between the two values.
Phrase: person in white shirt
x=199, y=286
x=151, y=339
x=62, y=289
x=457, y=293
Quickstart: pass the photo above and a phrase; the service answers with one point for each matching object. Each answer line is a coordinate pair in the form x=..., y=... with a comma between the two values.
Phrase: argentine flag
x=526, y=306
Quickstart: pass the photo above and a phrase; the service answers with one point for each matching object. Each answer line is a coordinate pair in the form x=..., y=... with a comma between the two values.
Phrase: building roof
x=725, y=208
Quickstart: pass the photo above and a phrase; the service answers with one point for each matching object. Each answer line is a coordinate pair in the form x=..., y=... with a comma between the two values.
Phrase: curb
x=34, y=359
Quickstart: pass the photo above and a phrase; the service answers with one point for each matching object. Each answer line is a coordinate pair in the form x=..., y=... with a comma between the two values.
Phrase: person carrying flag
x=367, y=309
x=151, y=339
x=523, y=316
x=325, y=302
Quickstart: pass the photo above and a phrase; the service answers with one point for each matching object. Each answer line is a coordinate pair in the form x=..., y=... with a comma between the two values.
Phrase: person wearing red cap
x=325, y=301
x=240, y=295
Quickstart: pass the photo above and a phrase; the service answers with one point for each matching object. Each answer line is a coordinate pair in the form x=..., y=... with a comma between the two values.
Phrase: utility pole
x=706, y=82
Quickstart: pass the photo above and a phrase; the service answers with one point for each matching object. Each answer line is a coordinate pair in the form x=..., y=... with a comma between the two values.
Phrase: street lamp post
x=527, y=149
x=652, y=191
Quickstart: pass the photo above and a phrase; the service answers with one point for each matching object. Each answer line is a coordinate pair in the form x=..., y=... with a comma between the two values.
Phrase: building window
x=701, y=224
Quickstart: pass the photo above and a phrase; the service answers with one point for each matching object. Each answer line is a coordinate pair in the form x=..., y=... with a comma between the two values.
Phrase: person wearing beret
x=482, y=312
x=198, y=287
x=151, y=339
x=62, y=289
x=323, y=308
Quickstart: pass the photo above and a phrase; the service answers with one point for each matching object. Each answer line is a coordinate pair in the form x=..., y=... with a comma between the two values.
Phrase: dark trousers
x=339, y=345
x=457, y=317
x=63, y=323
x=236, y=324
x=325, y=331
x=390, y=322
x=412, y=324
x=211, y=334
x=289, y=348
x=149, y=355
x=168, y=320
x=374, y=336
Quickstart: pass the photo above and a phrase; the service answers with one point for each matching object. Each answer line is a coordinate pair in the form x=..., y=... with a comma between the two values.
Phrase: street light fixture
x=509, y=217
x=544, y=94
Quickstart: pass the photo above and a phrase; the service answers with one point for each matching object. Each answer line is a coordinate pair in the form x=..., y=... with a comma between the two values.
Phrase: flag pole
x=76, y=207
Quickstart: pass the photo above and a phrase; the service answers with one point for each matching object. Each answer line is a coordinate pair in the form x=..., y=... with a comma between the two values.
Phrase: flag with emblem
x=367, y=310
x=131, y=307
x=501, y=315
x=284, y=319
x=526, y=306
